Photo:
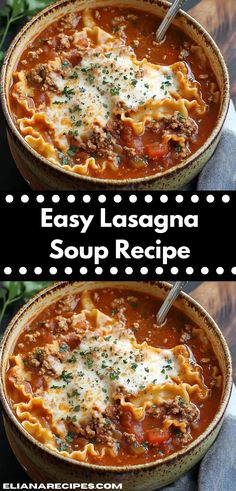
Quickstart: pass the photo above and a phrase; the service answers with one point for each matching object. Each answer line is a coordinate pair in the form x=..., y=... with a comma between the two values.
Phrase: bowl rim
x=163, y=4
x=129, y=468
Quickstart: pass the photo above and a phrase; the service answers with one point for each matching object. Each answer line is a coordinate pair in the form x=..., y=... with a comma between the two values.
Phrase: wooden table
x=219, y=299
x=219, y=18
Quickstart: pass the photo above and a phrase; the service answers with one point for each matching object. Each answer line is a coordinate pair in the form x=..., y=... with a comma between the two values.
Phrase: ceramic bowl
x=43, y=465
x=44, y=175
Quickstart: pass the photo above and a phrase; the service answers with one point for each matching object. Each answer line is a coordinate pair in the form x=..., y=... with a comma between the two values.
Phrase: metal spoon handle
x=168, y=19
x=171, y=297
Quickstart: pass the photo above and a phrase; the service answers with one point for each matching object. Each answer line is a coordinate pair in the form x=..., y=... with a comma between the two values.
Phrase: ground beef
x=131, y=152
x=184, y=411
x=41, y=359
x=44, y=74
x=61, y=325
x=34, y=359
x=63, y=41
x=100, y=429
x=130, y=437
x=69, y=21
x=66, y=304
x=117, y=20
x=102, y=143
x=32, y=336
x=184, y=53
x=182, y=126
x=185, y=337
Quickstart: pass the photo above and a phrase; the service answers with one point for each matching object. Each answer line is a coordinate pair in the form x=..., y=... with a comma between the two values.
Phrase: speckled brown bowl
x=43, y=465
x=44, y=175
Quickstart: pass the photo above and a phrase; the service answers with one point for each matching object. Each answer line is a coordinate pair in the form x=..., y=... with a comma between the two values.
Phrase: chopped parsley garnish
x=64, y=160
x=114, y=90
x=134, y=366
x=90, y=78
x=107, y=338
x=74, y=393
x=114, y=375
x=77, y=107
x=89, y=363
x=178, y=433
x=77, y=408
x=74, y=75
x=72, y=151
x=66, y=376
x=181, y=401
x=62, y=447
x=180, y=117
x=65, y=64
x=68, y=92
x=134, y=82
x=72, y=359
x=63, y=347
x=70, y=437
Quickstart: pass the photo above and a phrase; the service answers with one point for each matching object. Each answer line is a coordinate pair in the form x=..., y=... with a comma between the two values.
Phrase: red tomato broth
x=142, y=30
x=151, y=441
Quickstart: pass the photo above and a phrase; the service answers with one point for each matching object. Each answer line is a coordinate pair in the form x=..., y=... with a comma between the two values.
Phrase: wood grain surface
x=219, y=18
x=219, y=299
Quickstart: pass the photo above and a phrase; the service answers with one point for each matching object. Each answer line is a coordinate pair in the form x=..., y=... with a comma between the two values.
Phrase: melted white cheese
x=87, y=381
x=103, y=82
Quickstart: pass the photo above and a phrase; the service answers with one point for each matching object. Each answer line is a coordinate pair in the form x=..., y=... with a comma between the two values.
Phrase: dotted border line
x=98, y=270
x=117, y=198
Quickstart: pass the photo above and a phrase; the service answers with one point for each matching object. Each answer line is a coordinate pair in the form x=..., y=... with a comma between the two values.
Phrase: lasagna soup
x=93, y=378
x=95, y=93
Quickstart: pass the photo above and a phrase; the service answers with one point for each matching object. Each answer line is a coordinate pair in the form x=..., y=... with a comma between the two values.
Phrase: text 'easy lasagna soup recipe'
x=93, y=378
x=95, y=93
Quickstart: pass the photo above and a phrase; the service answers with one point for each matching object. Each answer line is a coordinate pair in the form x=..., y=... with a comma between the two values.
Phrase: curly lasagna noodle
x=97, y=95
x=94, y=378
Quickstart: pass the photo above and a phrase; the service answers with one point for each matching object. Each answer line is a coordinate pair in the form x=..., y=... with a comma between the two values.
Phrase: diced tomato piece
x=156, y=150
x=155, y=436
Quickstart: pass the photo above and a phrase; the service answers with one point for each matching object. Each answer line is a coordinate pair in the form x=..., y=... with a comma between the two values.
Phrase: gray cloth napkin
x=219, y=174
x=217, y=470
